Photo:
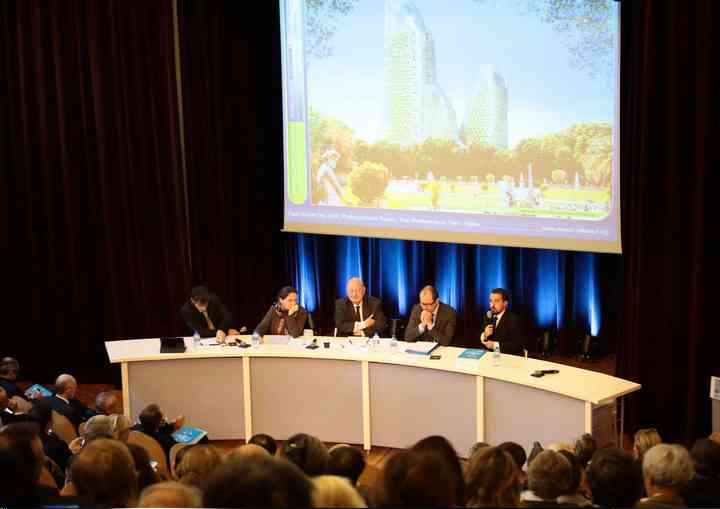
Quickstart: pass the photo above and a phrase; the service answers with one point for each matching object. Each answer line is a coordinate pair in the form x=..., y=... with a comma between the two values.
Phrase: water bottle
x=393, y=342
x=255, y=340
x=196, y=341
x=376, y=341
x=496, y=354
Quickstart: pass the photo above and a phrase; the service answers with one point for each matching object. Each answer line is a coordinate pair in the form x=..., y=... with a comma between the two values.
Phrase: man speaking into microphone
x=501, y=325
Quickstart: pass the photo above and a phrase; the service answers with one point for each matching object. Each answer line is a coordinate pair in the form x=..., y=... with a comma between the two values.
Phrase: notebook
x=172, y=345
x=422, y=347
x=188, y=435
x=35, y=388
x=472, y=353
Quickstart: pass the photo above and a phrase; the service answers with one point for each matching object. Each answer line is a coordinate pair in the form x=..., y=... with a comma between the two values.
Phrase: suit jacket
x=75, y=411
x=443, y=331
x=509, y=333
x=345, y=316
x=11, y=388
x=702, y=492
x=56, y=449
x=165, y=439
x=218, y=313
x=293, y=324
x=13, y=418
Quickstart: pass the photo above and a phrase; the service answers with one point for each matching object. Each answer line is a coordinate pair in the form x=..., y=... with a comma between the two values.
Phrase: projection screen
x=471, y=121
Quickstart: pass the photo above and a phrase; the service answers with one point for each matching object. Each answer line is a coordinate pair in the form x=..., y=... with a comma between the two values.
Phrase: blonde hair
x=645, y=439
x=492, y=479
x=247, y=451
x=335, y=491
x=170, y=494
x=560, y=446
x=197, y=463
x=120, y=427
x=668, y=465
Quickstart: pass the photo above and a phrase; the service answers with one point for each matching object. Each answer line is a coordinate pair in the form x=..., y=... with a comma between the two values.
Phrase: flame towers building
x=486, y=116
x=416, y=106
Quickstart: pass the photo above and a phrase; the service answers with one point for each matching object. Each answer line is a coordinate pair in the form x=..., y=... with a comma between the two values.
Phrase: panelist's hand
x=233, y=332
x=426, y=317
x=369, y=321
x=489, y=331
x=293, y=309
x=490, y=345
x=220, y=336
x=178, y=422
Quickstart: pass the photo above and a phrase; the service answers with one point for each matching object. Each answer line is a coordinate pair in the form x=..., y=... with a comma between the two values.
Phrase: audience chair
x=154, y=449
x=46, y=478
x=174, y=451
x=63, y=428
x=81, y=428
x=23, y=406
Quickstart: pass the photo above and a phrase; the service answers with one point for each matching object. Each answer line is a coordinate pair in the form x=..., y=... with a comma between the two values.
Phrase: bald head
x=355, y=290
x=170, y=494
x=247, y=451
x=66, y=386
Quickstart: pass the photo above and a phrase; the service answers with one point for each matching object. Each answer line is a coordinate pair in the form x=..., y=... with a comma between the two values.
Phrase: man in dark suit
x=431, y=320
x=9, y=368
x=206, y=314
x=65, y=403
x=503, y=326
x=153, y=423
x=358, y=314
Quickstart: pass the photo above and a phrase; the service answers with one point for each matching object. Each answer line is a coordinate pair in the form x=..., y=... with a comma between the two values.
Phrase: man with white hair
x=667, y=470
x=358, y=314
x=65, y=403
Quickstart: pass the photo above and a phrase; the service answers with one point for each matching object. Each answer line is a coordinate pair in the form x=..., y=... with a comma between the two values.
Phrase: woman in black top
x=285, y=316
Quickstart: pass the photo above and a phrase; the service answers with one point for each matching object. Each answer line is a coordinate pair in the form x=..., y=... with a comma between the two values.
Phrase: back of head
x=615, y=478
x=585, y=447
x=9, y=366
x=443, y=446
x=706, y=455
x=347, y=462
x=257, y=482
x=668, y=466
x=576, y=472
x=107, y=403
x=197, y=464
x=170, y=494
x=98, y=426
x=247, y=451
x=146, y=475
x=416, y=479
x=265, y=441
x=492, y=479
x=64, y=384
x=516, y=451
x=644, y=440
x=476, y=448
x=150, y=418
x=549, y=475
x=104, y=473
x=20, y=468
x=335, y=491
x=120, y=427
x=308, y=453
x=41, y=413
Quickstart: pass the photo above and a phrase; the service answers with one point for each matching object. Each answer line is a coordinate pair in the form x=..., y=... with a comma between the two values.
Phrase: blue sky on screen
x=545, y=93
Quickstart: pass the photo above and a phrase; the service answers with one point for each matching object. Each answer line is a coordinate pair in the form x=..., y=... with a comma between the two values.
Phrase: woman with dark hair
x=443, y=446
x=285, y=316
x=146, y=474
x=308, y=453
x=493, y=479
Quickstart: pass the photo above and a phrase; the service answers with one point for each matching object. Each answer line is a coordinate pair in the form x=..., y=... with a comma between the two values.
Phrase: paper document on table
x=422, y=347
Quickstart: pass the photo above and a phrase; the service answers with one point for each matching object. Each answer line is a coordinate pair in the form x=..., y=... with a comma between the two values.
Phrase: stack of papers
x=37, y=388
x=472, y=353
x=188, y=435
x=421, y=347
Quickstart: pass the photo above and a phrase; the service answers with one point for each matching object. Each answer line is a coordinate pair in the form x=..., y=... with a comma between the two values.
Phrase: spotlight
x=546, y=344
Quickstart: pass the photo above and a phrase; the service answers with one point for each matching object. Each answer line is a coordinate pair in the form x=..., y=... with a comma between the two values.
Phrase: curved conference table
x=380, y=397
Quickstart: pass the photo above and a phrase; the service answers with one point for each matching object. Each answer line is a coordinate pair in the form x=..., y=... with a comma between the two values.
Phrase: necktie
x=210, y=324
x=357, y=313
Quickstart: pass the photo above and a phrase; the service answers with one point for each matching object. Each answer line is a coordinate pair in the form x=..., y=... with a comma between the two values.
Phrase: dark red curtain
x=670, y=135
x=93, y=219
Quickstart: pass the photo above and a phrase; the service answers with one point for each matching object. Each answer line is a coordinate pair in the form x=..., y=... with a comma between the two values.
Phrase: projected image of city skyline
x=475, y=106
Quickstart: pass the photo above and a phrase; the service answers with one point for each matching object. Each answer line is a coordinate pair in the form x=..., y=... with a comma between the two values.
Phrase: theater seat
x=153, y=448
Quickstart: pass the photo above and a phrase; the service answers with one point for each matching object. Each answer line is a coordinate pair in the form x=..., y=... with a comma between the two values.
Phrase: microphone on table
x=335, y=332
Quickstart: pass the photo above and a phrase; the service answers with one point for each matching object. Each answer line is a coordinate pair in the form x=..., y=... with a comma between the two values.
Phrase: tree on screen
x=368, y=182
x=321, y=22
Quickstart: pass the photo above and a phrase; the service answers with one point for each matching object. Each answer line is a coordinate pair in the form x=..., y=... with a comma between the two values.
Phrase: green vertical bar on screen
x=297, y=167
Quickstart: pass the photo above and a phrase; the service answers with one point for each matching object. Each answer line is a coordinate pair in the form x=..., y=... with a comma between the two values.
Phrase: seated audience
x=667, y=470
x=54, y=447
x=574, y=494
x=477, y=447
x=265, y=441
x=246, y=451
x=615, y=478
x=146, y=473
x=21, y=461
x=704, y=488
x=7, y=410
x=492, y=479
x=548, y=478
x=518, y=455
x=98, y=426
x=417, y=479
x=347, y=462
x=198, y=462
x=9, y=369
x=644, y=440
x=444, y=447
x=170, y=494
x=585, y=447
x=108, y=403
x=153, y=423
x=259, y=482
x=120, y=427
x=308, y=453
x=335, y=491
x=103, y=474
x=65, y=403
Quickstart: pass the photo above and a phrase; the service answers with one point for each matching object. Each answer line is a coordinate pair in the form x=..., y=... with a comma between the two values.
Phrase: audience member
x=198, y=462
x=417, y=479
x=585, y=447
x=492, y=479
x=704, y=488
x=120, y=427
x=477, y=447
x=265, y=441
x=9, y=369
x=347, y=462
x=107, y=403
x=258, y=482
x=246, y=451
x=444, y=447
x=335, y=491
x=153, y=423
x=65, y=403
x=644, y=440
x=170, y=494
x=574, y=495
x=53, y=446
x=308, y=453
x=667, y=470
x=103, y=474
x=518, y=455
x=7, y=410
x=615, y=478
x=548, y=478
x=98, y=426
x=146, y=473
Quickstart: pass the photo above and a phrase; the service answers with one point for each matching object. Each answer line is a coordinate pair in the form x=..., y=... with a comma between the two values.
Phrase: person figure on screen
x=503, y=326
x=330, y=191
x=205, y=314
x=431, y=320
x=285, y=316
x=358, y=314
